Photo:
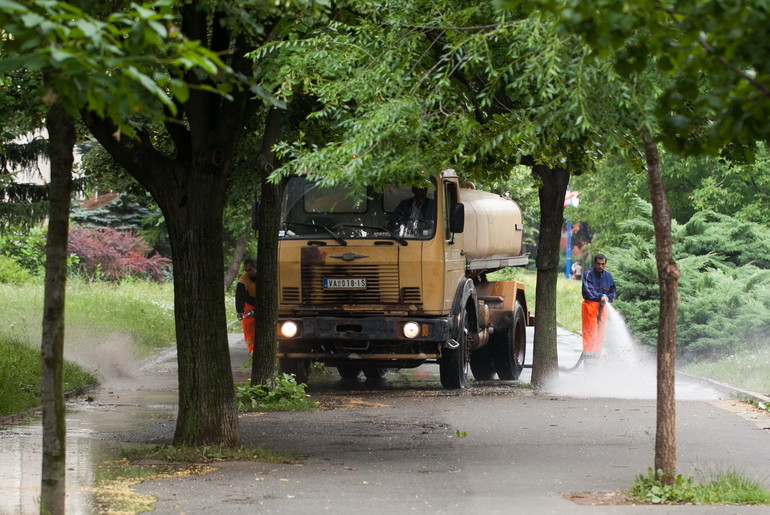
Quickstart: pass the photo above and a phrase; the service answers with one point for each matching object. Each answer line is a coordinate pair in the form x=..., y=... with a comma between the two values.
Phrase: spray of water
x=624, y=371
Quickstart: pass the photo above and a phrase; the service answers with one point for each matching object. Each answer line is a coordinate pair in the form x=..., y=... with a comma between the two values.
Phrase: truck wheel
x=509, y=347
x=482, y=364
x=349, y=371
x=453, y=367
x=299, y=367
x=375, y=373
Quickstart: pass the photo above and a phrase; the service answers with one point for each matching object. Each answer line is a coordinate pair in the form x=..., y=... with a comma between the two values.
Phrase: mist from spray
x=625, y=370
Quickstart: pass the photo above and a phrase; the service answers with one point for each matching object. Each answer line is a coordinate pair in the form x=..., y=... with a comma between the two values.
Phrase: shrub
x=286, y=395
x=112, y=255
x=11, y=272
x=724, y=288
x=27, y=248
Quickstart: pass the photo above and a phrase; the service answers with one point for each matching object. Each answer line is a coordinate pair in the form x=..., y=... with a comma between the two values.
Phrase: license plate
x=345, y=283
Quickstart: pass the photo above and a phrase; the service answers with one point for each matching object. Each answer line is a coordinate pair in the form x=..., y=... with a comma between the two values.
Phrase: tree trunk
x=235, y=263
x=207, y=409
x=668, y=279
x=61, y=134
x=266, y=318
x=545, y=360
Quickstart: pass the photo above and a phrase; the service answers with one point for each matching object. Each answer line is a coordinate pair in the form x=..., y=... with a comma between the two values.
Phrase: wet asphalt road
x=409, y=446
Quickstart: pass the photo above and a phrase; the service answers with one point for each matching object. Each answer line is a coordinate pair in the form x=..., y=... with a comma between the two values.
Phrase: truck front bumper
x=384, y=329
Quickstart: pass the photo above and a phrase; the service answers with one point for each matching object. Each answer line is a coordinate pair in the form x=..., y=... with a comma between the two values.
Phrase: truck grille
x=290, y=295
x=381, y=284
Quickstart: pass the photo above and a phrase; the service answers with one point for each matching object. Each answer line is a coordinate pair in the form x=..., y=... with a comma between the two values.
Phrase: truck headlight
x=289, y=329
x=411, y=329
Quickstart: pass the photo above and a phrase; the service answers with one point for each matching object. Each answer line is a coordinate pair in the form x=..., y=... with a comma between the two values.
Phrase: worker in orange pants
x=245, y=293
x=598, y=290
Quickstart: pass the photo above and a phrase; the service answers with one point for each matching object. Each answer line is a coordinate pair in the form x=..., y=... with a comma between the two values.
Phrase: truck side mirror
x=457, y=219
x=255, y=216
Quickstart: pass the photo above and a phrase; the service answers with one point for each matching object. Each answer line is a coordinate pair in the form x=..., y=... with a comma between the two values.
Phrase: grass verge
x=20, y=377
x=721, y=487
x=747, y=370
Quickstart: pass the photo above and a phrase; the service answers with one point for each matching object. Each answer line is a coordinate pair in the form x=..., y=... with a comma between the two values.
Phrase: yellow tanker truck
x=395, y=279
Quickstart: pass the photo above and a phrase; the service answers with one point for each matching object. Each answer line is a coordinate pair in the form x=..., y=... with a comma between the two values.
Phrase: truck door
x=454, y=257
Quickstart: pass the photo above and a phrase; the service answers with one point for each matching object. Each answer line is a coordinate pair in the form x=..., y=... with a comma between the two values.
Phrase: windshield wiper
x=334, y=235
x=395, y=236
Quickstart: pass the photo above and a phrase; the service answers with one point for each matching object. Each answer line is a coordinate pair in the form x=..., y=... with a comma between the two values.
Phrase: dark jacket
x=597, y=284
x=245, y=291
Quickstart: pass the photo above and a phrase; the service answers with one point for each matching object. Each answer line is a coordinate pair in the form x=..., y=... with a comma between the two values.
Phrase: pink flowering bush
x=112, y=255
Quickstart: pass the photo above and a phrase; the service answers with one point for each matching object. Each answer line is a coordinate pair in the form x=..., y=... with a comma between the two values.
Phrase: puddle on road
x=144, y=392
x=89, y=427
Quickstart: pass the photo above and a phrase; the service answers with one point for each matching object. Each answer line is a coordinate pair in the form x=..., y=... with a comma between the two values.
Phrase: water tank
x=494, y=227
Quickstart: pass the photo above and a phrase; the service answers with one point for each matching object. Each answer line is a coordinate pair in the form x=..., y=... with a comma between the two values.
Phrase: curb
x=731, y=391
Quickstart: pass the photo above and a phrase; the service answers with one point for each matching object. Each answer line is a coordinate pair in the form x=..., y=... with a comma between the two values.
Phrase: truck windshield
x=400, y=212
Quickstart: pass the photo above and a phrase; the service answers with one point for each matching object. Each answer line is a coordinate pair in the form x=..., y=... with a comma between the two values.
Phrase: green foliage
x=27, y=248
x=405, y=89
x=728, y=487
x=102, y=65
x=11, y=272
x=23, y=206
x=710, y=49
x=693, y=185
x=733, y=241
x=139, y=314
x=725, y=270
x=285, y=395
x=650, y=488
x=20, y=376
x=120, y=212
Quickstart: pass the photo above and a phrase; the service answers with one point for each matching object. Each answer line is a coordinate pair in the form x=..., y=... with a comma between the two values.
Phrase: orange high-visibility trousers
x=249, y=327
x=594, y=323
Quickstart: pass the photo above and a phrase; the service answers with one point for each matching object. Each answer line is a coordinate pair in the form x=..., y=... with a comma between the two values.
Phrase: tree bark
x=266, y=317
x=235, y=263
x=207, y=410
x=61, y=134
x=553, y=188
x=668, y=279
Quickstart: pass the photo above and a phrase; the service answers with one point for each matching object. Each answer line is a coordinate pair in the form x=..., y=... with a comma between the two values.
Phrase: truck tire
x=299, y=367
x=453, y=366
x=510, y=345
x=375, y=373
x=483, y=364
x=349, y=371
